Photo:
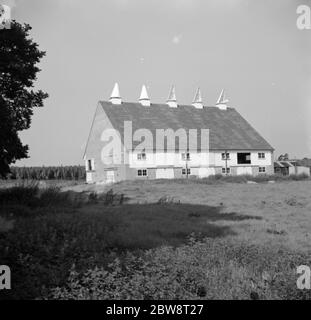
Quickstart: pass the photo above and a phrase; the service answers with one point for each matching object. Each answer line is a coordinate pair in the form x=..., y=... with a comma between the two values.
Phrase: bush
x=219, y=178
x=168, y=200
x=110, y=198
x=236, y=179
x=301, y=176
x=23, y=194
x=28, y=199
x=41, y=250
x=212, y=269
x=52, y=196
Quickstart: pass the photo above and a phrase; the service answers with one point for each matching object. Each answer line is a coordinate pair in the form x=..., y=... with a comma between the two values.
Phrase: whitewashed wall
x=303, y=170
x=212, y=159
x=233, y=161
x=261, y=162
x=154, y=160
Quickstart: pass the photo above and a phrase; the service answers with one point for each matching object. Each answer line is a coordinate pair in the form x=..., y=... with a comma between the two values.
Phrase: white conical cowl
x=144, y=98
x=222, y=101
x=115, y=97
x=197, y=100
x=171, y=100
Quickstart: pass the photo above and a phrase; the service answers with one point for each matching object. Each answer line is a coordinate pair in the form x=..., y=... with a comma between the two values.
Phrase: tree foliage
x=19, y=58
x=284, y=157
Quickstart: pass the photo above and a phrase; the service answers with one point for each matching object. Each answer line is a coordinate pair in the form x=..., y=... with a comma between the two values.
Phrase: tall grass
x=25, y=198
x=208, y=269
x=30, y=195
x=52, y=231
x=218, y=178
x=87, y=246
x=22, y=194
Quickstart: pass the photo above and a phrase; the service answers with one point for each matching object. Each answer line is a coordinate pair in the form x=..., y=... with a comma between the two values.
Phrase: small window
x=141, y=156
x=223, y=170
x=142, y=173
x=90, y=166
x=185, y=156
x=225, y=156
x=262, y=169
x=261, y=155
x=186, y=171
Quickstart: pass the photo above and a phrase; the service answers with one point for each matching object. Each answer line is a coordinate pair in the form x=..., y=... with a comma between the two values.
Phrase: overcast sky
x=251, y=48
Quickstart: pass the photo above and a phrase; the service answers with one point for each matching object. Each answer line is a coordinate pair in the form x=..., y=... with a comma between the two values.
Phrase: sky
x=251, y=48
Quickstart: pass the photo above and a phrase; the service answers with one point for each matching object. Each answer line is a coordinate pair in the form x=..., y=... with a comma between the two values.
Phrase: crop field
x=165, y=239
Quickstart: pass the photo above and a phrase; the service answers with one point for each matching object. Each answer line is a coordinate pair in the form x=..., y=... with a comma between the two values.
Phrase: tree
x=19, y=56
x=284, y=157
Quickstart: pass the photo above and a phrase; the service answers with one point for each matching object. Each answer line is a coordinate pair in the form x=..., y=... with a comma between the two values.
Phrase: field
x=161, y=239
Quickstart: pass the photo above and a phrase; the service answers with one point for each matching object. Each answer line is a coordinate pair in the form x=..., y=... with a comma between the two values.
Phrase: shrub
x=236, y=179
x=26, y=198
x=219, y=178
x=301, y=176
x=168, y=200
x=53, y=197
x=40, y=250
x=93, y=197
x=209, y=269
x=110, y=198
x=23, y=194
x=261, y=178
x=5, y=224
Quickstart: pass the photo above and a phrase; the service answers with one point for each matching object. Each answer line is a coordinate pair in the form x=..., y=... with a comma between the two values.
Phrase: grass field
x=174, y=239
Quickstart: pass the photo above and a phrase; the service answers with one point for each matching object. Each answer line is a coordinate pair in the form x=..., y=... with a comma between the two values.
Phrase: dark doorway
x=244, y=158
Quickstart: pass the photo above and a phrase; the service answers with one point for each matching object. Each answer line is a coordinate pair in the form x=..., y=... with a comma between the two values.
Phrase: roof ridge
x=164, y=104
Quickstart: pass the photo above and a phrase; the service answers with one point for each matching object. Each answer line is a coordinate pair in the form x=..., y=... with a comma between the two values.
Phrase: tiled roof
x=228, y=129
x=285, y=164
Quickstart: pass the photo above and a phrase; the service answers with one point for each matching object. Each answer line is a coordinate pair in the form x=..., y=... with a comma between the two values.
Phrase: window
x=244, y=158
x=261, y=155
x=186, y=171
x=225, y=156
x=142, y=173
x=90, y=165
x=223, y=170
x=262, y=169
x=141, y=156
x=185, y=156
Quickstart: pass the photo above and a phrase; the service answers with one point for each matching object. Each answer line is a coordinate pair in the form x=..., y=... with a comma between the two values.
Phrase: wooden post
x=187, y=164
x=226, y=162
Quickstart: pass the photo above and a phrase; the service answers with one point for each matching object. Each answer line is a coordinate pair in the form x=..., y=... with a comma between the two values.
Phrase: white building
x=234, y=147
